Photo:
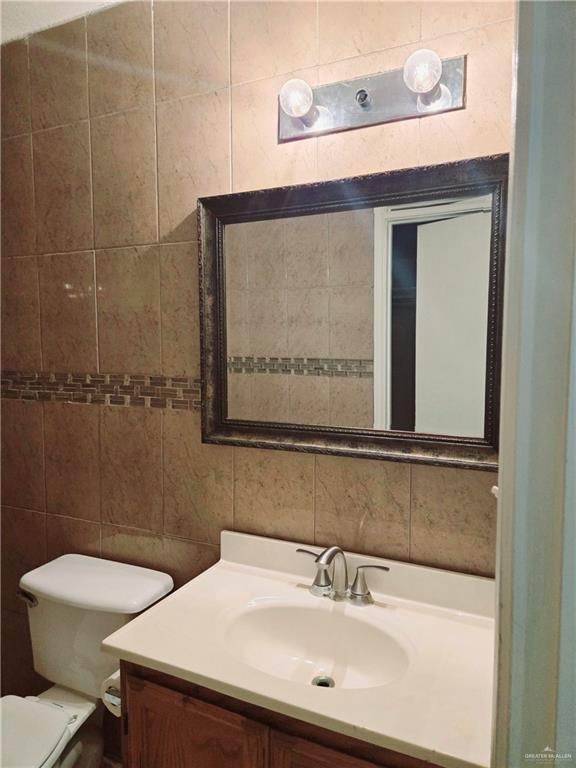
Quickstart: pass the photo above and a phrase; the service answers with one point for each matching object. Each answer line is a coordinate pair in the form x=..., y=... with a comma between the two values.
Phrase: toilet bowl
x=73, y=602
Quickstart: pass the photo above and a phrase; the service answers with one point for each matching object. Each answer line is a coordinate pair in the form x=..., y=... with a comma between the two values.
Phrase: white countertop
x=439, y=709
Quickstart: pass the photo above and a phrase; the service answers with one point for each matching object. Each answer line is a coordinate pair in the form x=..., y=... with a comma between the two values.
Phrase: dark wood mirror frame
x=485, y=175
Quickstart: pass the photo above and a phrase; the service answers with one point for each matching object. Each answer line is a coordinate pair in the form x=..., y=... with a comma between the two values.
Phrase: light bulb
x=422, y=71
x=439, y=99
x=296, y=98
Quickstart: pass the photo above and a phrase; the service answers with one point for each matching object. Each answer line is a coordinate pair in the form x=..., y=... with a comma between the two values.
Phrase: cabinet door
x=167, y=729
x=289, y=752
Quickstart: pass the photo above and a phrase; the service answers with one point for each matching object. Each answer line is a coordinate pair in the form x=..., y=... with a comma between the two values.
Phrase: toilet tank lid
x=95, y=584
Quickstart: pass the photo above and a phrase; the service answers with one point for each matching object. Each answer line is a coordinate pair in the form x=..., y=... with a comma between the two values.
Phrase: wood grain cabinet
x=289, y=752
x=171, y=730
x=170, y=723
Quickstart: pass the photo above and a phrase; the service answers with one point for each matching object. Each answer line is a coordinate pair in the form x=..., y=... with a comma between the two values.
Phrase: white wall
x=451, y=325
x=536, y=683
x=23, y=17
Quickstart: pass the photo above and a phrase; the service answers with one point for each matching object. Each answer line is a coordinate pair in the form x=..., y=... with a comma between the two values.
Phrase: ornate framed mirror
x=358, y=317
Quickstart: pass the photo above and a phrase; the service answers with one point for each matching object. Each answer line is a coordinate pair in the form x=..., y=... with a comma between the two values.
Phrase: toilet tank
x=74, y=602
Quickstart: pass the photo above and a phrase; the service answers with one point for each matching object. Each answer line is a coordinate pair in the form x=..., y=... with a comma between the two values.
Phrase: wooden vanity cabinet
x=169, y=723
x=168, y=729
x=289, y=752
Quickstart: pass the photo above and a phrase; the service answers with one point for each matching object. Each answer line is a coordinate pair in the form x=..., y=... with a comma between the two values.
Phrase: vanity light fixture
x=425, y=85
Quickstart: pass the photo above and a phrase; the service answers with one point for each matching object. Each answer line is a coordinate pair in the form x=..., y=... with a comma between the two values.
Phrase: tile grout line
x=34, y=216
x=92, y=207
x=230, y=110
x=155, y=107
x=84, y=251
x=157, y=203
x=100, y=518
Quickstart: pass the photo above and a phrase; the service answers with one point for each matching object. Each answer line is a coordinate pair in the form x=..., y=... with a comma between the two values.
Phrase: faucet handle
x=322, y=584
x=359, y=594
x=307, y=552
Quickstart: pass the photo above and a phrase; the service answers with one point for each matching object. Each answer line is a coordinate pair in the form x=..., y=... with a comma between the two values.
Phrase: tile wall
x=300, y=296
x=112, y=126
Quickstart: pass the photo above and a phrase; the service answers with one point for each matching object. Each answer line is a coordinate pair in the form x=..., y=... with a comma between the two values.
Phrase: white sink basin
x=321, y=641
x=413, y=672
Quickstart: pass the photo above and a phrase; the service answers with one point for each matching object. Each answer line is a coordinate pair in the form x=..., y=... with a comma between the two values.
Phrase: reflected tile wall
x=87, y=150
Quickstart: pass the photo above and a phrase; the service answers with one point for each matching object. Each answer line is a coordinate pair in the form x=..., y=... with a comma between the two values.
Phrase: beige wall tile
x=453, y=519
x=309, y=399
x=270, y=397
x=72, y=447
x=268, y=323
x=352, y=402
x=264, y=243
x=351, y=28
x=23, y=548
x=15, y=88
x=308, y=322
x=273, y=493
x=20, y=315
x=238, y=322
x=62, y=189
x=67, y=536
x=257, y=159
x=236, y=253
x=191, y=42
x=22, y=454
x=351, y=252
x=441, y=18
x=129, y=309
x=124, y=178
x=368, y=150
x=351, y=322
x=18, y=676
x=240, y=396
x=180, y=309
x=485, y=126
x=131, y=466
x=193, y=159
x=58, y=75
x=363, y=505
x=17, y=197
x=198, y=481
x=182, y=559
x=306, y=248
x=120, y=57
x=68, y=311
x=271, y=38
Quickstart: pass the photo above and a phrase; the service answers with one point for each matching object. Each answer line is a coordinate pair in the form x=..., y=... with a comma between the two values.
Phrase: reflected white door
x=451, y=325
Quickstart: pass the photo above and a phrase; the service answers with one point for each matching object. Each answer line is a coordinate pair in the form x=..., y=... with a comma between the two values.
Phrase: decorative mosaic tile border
x=302, y=366
x=180, y=392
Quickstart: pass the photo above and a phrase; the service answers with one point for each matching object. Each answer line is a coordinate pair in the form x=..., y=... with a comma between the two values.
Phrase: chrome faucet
x=335, y=555
x=337, y=587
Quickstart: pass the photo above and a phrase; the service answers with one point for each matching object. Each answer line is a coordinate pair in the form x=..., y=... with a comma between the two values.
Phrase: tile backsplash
x=112, y=126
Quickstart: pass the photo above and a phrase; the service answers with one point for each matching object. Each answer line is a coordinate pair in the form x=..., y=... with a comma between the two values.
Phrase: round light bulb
x=296, y=98
x=422, y=71
x=439, y=100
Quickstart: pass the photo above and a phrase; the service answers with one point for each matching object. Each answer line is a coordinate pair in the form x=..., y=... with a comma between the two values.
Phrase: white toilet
x=74, y=602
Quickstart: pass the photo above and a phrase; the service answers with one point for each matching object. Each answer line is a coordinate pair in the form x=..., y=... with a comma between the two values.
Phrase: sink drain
x=323, y=681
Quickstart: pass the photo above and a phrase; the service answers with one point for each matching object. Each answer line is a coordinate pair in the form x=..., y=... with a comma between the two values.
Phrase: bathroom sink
x=321, y=645
x=420, y=657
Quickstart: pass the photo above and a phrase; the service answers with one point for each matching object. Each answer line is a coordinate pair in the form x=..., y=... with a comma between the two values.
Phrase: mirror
x=365, y=308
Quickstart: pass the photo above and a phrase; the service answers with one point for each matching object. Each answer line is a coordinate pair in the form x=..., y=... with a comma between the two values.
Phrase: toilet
x=73, y=602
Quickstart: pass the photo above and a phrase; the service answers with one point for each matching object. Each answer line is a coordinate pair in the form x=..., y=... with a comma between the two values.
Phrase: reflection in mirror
x=370, y=318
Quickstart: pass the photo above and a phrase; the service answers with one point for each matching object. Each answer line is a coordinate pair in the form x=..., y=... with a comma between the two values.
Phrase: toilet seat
x=33, y=732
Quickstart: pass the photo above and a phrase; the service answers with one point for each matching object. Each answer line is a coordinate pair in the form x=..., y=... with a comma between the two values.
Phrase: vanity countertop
x=413, y=672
